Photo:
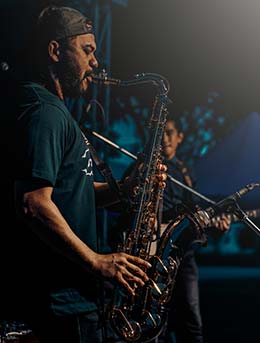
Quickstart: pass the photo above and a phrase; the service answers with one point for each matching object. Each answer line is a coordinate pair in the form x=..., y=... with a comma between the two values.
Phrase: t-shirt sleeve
x=41, y=142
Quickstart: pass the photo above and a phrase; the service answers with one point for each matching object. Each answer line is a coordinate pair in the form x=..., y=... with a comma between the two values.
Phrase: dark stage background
x=209, y=51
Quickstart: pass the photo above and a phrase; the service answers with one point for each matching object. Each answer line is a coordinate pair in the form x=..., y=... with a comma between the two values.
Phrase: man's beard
x=71, y=82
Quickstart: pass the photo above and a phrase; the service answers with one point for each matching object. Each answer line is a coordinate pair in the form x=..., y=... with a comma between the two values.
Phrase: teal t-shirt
x=51, y=147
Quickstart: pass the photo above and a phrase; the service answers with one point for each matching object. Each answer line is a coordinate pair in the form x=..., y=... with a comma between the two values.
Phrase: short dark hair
x=176, y=119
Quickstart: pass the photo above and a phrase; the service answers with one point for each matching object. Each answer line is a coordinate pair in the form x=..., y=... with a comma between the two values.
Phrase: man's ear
x=54, y=50
x=180, y=137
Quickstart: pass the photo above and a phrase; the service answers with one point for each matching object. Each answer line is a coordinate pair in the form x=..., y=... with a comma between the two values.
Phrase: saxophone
x=142, y=317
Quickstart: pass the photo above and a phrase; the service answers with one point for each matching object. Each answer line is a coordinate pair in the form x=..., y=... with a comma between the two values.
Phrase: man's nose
x=94, y=62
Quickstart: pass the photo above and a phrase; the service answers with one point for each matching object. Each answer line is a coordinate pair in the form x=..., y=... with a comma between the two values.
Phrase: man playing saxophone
x=55, y=239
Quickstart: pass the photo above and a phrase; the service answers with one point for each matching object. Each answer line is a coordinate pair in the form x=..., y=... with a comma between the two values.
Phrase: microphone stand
x=232, y=206
x=129, y=154
x=250, y=224
x=243, y=217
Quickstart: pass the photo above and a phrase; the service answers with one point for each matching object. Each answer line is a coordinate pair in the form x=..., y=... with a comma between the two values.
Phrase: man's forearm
x=105, y=196
x=46, y=221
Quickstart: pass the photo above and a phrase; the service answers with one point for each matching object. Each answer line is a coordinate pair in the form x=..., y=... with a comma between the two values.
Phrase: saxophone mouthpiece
x=102, y=78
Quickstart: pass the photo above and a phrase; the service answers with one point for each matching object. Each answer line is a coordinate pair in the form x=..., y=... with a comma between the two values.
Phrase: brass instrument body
x=141, y=318
x=130, y=315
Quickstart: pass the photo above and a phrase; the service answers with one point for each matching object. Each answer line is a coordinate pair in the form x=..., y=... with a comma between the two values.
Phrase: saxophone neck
x=158, y=80
x=141, y=78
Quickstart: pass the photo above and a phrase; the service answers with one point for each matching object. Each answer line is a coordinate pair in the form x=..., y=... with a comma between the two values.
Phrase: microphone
x=227, y=203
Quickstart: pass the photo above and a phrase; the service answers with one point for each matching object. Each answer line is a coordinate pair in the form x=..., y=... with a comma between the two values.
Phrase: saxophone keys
x=125, y=327
x=152, y=320
x=155, y=288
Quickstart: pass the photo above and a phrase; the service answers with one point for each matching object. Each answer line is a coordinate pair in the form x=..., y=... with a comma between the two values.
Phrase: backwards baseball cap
x=62, y=22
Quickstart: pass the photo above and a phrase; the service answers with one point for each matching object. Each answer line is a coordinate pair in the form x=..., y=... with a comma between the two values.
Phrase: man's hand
x=162, y=176
x=123, y=268
x=222, y=223
x=130, y=184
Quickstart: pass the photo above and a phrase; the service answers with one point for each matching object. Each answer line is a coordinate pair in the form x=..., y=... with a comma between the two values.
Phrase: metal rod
x=251, y=225
x=190, y=189
x=124, y=151
x=104, y=139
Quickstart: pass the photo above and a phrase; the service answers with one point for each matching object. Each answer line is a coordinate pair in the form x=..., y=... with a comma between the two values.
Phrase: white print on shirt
x=85, y=153
x=89, y=170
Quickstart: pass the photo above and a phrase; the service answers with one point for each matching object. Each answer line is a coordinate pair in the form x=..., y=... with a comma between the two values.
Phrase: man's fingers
x=163, y=177
x=138, y=271
x=130, y=277
x=128, y=280
x=126, y=284
x=162, y=184
x=138, y=260
x=128, y=270
x=163, y=167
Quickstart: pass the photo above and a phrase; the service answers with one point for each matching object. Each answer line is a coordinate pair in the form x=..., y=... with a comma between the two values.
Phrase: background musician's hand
x=123, y=268
x=162, y=175
x=130, y=184
x=222, y=223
